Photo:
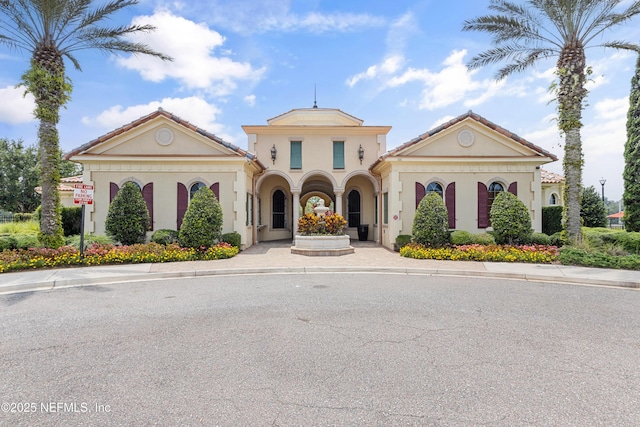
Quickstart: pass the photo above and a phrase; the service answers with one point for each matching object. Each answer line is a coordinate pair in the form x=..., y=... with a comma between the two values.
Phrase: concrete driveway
x=321, y=349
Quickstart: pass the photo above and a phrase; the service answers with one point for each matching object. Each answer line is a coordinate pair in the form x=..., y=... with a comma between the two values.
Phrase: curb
x=49, y=285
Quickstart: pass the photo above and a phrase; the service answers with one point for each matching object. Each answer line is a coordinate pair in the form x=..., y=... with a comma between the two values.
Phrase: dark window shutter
x=183, y=202
x=113, y=190
x=420, y=193
x=513, y=188
x=450, y=202
x=216, y=190
x=483, y=211
x=147, y=195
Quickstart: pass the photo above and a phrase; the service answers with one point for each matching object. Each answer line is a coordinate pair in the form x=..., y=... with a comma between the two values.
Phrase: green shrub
x=26, y=241
x=577, y=256
x=540, y=239
x=402, y=240
x=89, y=239
x=233, y=238
x=559, y=239
x=202, y=223
x=431, y=222
x=629, y=241
x=8, y=243
x=510, y=219
x=128, y=219
x=22, y=217
x=551, y=219
x=71, y=220
x=592, y=209
x=461, y=237
x=484, y=239
x=165, y=236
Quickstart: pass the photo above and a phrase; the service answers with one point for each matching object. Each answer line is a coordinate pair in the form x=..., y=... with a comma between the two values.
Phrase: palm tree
x=538, y=29
x=49, y=30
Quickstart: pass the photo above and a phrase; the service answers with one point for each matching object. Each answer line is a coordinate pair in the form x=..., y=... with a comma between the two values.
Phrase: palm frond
x=620, y=45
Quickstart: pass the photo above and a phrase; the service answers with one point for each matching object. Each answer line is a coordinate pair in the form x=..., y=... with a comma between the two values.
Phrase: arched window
x=278, y=209
x=494, y=189
x=435, y=187
x=353, y=208
x=194, y=189
x=553, y=200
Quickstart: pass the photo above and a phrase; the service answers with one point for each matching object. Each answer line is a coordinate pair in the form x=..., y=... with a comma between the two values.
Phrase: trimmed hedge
x=233, y=238
x=431, y=222
x=551, y=220
x=510, y=219
x=165, y=236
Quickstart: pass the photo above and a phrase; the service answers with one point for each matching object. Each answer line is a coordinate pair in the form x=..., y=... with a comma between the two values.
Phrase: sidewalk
x=266, y=258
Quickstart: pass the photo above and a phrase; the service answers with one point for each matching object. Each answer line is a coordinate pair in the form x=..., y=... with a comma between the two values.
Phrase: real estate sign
x=82, y=194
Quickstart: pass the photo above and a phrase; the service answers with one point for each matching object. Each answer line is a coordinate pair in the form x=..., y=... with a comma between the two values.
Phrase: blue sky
x=397, y=63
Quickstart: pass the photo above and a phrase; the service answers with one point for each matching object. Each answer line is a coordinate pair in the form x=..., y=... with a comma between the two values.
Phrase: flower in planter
x=330, y=224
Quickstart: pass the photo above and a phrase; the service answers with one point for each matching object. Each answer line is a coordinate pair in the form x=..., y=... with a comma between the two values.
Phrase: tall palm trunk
x=571, y=94
x=49, y=86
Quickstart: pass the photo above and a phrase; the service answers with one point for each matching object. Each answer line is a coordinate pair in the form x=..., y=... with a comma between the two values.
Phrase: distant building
x=312, y=153
x=65, y=190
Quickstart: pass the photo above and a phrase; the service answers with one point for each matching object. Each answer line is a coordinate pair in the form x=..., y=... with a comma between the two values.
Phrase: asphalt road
x=325, y=349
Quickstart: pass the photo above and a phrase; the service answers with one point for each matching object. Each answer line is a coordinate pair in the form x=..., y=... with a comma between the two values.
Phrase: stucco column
x=296, y=211
x=339, y=202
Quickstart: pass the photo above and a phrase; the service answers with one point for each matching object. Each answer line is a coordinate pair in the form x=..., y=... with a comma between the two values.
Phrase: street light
x=602, y=182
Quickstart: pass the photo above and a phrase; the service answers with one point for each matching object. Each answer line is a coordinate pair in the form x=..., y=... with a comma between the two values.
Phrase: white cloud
x=16, y=108
x=261, y=16
x=195, y=63
x=250, y=100
x=387, y=67
x=451, y=84
x=193, y=109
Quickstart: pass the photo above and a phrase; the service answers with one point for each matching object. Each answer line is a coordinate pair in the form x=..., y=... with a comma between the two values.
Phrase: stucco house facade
x=312, y=153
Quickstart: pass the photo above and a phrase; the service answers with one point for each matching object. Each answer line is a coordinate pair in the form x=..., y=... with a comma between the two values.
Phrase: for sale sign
x=82, y=194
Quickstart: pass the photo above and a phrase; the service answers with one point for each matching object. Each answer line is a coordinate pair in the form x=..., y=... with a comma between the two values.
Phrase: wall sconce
x=273, y=154
x=360, y=153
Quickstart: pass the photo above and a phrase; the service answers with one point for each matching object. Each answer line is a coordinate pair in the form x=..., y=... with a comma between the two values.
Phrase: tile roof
x=470, y=114
x=170, y=116
x=550, y=178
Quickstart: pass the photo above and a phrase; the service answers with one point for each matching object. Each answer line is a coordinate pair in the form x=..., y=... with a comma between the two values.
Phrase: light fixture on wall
x=360, y=153
x=273, y=154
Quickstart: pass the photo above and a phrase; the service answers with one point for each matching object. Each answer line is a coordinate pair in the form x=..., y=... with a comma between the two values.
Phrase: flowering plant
x=331, y=224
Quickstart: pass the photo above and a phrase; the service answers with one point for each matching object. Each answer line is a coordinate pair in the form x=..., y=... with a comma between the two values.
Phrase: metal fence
x=6, y=217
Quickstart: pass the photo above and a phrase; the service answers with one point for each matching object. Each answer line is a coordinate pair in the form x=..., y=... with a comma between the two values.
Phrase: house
x=308, y=154
x=65, y=190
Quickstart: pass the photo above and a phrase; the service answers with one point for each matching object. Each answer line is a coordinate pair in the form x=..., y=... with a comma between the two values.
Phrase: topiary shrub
x=71, y=220
x=510, y=219
x=233, y=238
x=431, y=222
x=401, y=241
x=559, y=239
x=165, y=236
x=202, y=223
x=128, y=218
x=551, y=219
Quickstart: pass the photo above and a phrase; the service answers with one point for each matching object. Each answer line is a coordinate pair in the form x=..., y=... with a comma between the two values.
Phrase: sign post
x=82, y=195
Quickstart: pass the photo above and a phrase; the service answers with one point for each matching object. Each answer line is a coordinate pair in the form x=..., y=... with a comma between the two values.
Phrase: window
x=296, y=155
x=385, y=208
x=338, y=154
x=553, y=200
x=194, y=189
x=353, y=208
x=375, y=213
x=494, y=189
x=435, y=187
x=249, y=209
x=278, y=209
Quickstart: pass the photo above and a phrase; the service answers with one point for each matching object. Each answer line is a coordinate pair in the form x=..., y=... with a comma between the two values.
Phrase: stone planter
x=322, y=245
